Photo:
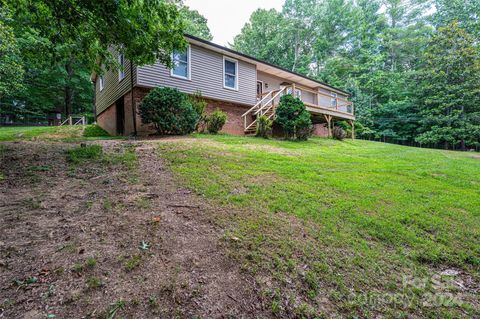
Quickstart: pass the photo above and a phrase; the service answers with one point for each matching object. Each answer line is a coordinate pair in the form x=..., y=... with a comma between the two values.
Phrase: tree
x=195, y=23
x=144, y=30
x=11, y=70
x=293, y=117
x=449, y=90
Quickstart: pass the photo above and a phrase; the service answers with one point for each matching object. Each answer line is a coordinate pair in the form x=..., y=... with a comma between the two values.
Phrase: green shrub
x=94, y=131
x=84, y=153
x=338, y=133
x=216, y=121
x=199, y=105
x=169, y=111
x=264, y=127
x=293, y=117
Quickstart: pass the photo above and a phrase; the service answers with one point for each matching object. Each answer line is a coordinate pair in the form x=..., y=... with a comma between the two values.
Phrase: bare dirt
x=99, y=240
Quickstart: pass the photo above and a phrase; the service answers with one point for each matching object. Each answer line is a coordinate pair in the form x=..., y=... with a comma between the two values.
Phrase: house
x=240, y=85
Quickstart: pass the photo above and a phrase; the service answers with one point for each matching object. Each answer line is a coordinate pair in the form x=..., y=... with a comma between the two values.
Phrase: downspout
x=94, y=101
x=134, y=115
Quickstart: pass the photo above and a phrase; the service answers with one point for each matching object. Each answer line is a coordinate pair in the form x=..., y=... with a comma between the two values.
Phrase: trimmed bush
x=264, y=127
x=169, y=111
x=294, y=118
x=338, y=133
x=216, y=121
x=199, y=105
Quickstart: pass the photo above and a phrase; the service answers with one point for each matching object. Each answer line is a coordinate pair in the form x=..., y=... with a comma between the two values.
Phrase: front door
x=259, y=89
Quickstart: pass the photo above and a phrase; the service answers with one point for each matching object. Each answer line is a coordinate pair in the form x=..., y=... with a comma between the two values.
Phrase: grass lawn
x=63, y=133
x=352, y=228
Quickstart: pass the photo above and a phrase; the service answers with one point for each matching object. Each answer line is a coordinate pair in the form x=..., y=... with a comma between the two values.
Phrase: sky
x=226, y=17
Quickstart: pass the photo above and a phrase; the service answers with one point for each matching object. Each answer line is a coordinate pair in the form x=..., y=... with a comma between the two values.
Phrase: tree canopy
x=49, y=48
x=380, y=51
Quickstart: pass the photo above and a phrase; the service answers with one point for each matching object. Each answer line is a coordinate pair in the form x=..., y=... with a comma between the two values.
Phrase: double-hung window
x=101, y=82
x=181, y=63
x=230, y=73
x=121, y=71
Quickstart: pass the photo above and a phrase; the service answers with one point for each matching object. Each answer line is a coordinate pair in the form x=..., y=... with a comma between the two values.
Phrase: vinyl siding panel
x=113, y=89
x=206, y=76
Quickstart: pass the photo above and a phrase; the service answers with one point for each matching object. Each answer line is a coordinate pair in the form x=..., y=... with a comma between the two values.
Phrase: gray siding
x=273, y=83
x=206, y=76
x=113, y=89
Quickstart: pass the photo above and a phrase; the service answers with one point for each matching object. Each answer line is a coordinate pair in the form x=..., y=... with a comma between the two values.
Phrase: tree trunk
x=69, y=91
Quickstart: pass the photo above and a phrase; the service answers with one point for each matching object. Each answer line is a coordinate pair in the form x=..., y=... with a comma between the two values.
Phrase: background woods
x=408, y=64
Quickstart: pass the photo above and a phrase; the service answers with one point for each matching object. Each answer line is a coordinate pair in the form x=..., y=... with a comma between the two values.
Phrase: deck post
x=328, y=118
x=352, y=123
x=293, y=89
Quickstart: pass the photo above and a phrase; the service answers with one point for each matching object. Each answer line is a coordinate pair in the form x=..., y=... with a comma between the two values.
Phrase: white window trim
x=189, y=66
x=121, y=72
x=101, y=83
x=236, y=73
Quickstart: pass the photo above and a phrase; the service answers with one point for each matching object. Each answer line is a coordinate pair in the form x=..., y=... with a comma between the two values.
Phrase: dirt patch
x=85, y=241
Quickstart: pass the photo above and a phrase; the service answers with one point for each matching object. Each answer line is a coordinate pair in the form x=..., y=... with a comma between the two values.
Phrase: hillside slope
x=351, y=228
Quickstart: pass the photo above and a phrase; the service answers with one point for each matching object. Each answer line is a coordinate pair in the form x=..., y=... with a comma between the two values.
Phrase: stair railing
x=253, y=108
x=261, y=108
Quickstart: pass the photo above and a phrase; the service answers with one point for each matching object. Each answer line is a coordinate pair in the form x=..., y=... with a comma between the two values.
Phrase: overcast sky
x=226, y=17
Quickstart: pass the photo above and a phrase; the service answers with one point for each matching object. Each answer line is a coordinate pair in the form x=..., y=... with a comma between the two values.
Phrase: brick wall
x=320, y=130
x=107, y=119
x=234, y=124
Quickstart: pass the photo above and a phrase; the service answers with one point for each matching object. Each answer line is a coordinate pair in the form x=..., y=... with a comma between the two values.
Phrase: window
x=230, y=77
x=333, y=100
x=101, y=82
x=121, y=71
x=181, y=64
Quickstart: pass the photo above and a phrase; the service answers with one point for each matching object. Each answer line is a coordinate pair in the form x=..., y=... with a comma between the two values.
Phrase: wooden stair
x=265, y=107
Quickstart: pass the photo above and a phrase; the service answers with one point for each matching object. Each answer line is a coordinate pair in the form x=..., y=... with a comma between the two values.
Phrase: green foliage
x=146, y=31
x=216, y=121
x=84, y=153
x=195, y=23
x=199, y=105
x=94, y=131
x=264, y=127
x=11, y=69
x=450, y=90
x=338, y=133
x=169, y=111
x=293, y=117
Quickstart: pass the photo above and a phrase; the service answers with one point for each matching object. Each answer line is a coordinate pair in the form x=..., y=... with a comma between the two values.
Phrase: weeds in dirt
x=113, y=310
x=133, y=262
x=152, y=301
x=143, y=203
x=84, y=153
x=107, y=204
x=144, y=245
x=26, y=282
x=69, y=248
x=94, y=282
x=77, y=267
x=91, y=262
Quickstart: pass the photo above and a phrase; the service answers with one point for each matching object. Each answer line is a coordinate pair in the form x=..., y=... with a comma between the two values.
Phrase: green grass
x=371, y=214
x=84, y=153
x=51, y=133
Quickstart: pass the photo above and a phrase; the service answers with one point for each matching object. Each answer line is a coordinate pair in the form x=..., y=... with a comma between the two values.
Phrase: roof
x=264, y=66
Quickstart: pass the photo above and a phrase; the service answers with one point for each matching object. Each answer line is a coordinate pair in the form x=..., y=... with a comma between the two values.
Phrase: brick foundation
x=320, y=130
x=234, y=124
x=107, y=119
